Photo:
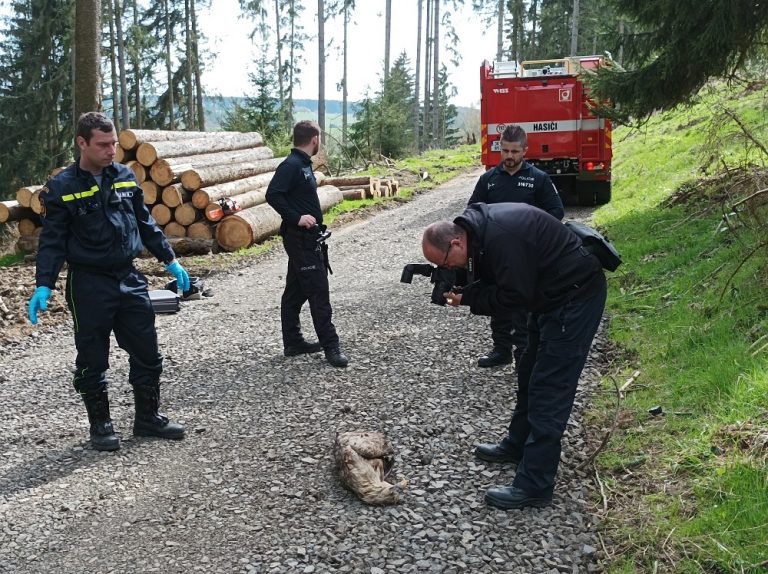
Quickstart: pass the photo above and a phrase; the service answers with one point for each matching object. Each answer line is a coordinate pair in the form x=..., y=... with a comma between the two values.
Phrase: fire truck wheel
x=587, y=196
x=603, y=196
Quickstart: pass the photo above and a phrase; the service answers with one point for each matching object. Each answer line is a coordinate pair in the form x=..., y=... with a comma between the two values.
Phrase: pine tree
x=35, y=92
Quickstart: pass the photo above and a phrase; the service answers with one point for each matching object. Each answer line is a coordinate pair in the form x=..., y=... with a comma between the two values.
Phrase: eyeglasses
x=447, y=253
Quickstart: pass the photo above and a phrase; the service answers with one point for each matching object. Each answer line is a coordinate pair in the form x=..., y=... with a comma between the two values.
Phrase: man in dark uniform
x=514, y=180
x=521, y=257
x=95, y=220
x=293, y=194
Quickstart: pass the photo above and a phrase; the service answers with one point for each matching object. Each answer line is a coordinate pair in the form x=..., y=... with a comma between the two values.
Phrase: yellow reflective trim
x=120, y=184
x=88, y=193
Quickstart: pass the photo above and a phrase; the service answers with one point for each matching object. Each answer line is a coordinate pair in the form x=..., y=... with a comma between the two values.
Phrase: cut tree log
x=214, y=211
x=148, y=152
x=173, y=229
x=197, y=178
x=124, y=156
x=350, y=181
x=257, y=223
x=167, y=171
x=131, y=139
x=13, y=211
x=200, y=230
x=24, y=194
x=34, y=202
x=353, y=193
x=207, y=195
x=27, y=243
x=186, y=246
x=138, y=170
x=186, y=214
x=161, y=213
x=29, y=225
x=174, y=195
x=151, y=192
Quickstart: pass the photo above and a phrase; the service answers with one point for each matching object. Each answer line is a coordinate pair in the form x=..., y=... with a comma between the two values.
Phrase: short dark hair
x=515, y=134
x=304, y=131
x=90, y=121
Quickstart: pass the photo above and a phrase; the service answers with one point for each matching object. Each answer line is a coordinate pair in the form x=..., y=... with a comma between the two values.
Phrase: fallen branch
x=590, y=459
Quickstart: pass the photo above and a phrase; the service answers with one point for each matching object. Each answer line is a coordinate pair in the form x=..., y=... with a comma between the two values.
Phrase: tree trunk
x=126, y=116
x=416, y=142
x=214, y=211
x=352, y=194
x=13, y=211
x=161, y=214
x=167, y=171
x=197, y=71
x=168, y=65
x=151, y=192
x=24, y=194
x=188, y=68
x=321, y=68
x=436, y=78
x=207, y=176
x=500, y=32
x=29, y=225
x=186, y=214
x=113, y=67
x=174, y=229
x=258, y=223
x=87, y=67
x=425, y=121
x=345, y=80
x=387, y=36
x=174, y=195
x=575, y=28
x=205, y=195
x=200, y=230
x=131, y=139
x=135, y=62
x=148, y=152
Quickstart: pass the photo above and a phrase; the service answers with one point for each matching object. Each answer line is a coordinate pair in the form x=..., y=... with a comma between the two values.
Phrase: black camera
x=444, y=279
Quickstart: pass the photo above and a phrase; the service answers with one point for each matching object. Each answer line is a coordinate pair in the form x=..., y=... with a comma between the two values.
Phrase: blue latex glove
x=182, y=277
x=38, y=302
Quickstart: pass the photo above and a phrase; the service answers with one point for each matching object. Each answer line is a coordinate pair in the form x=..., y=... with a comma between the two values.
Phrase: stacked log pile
x=206, y=187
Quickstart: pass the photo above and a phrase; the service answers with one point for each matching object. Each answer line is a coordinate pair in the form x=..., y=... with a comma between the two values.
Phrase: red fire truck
x=550, y=102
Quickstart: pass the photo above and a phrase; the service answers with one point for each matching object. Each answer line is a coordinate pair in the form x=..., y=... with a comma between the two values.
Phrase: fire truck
x=549, y=100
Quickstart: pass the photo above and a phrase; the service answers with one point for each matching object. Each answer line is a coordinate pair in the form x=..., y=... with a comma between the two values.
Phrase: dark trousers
x=306, y=281
x=510, y=333
x=106, y=302
x=558, y=345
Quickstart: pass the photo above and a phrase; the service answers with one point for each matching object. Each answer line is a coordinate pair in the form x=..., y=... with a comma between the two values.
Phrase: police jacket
x=527, y=185
x=293, y=190
x=100, y=228
x=522, y=257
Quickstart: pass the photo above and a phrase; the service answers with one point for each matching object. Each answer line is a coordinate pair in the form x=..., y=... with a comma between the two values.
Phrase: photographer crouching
x=518, y=256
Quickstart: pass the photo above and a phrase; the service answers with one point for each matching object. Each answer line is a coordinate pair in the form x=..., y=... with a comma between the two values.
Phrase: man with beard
x=514, y=180
x=293, y=194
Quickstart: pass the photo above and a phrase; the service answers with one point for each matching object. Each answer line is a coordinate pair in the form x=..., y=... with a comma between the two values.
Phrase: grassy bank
x=687, y=490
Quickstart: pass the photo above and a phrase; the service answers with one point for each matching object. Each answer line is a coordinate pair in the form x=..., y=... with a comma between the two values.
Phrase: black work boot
x=102, y=432
x=149, y=421
x=495, y=358
x=301, y=348
x=335, y=357
x=496, y=453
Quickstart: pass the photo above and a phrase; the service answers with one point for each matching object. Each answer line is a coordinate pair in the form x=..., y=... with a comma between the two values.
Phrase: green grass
x=685, y=311
x=11, y=259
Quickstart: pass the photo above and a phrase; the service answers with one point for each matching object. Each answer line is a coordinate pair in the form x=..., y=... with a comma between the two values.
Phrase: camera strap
x=324, y=247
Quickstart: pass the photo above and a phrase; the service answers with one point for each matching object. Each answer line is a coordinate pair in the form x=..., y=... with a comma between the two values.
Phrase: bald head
x=440, y=240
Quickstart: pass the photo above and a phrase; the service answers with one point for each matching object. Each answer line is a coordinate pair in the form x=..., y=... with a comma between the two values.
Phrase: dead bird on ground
x=364, y=460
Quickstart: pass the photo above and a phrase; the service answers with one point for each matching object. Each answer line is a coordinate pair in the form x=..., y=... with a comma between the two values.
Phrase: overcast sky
x=228, y=37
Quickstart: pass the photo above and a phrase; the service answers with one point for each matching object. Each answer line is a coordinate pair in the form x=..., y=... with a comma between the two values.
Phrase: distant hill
x=216, y=108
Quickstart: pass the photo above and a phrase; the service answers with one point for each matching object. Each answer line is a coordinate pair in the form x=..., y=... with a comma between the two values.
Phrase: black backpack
x=597, y=244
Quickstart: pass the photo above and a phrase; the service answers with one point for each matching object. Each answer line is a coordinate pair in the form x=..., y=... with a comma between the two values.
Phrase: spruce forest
x=143, y=64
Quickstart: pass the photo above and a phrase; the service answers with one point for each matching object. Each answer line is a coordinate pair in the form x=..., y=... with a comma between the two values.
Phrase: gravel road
x=252, y=488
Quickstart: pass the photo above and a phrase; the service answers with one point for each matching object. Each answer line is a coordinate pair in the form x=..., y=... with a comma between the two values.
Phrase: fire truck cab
x=548, y=99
